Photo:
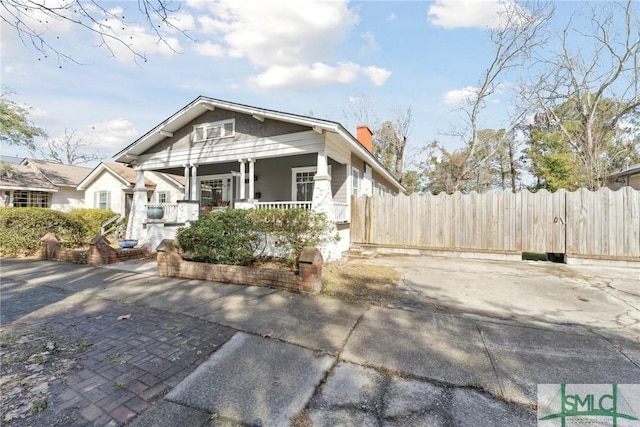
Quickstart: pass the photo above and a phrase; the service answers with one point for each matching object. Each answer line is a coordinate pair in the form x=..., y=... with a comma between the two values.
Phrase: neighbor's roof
x=125, y=174
x=22, y=177
x=59, y=174
x=631, y=170
x=11, y=160
x=202, y=104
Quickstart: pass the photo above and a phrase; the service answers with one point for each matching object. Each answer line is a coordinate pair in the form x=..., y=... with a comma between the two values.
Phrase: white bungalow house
x=38, y=183
x=237, y=156
x=110, y=186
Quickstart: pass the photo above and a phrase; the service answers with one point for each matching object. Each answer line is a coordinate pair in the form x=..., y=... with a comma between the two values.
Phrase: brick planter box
x=306, y=281
x=98, y=253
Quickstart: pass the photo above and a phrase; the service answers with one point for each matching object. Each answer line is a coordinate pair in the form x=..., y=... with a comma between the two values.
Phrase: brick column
x=49, y=246
x=98, y=250
x=168, y=259
x=310, y=271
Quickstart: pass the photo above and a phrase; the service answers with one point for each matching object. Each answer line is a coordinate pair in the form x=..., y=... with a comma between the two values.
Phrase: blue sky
x=303, y=57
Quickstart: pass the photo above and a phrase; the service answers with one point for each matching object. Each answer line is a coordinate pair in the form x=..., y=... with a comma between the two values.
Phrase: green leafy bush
x=22, y=228
x=225, y=237
x=233, y=236
x=92, y=218
x=294, y=229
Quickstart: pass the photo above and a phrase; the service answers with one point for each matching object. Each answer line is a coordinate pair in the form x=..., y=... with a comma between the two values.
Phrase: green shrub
x=22, y=228
x=92, y=218
x=294, y=229
x=233, y=236
x=225, y=237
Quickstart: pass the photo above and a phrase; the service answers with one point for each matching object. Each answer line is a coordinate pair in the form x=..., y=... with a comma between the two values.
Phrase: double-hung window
x=356, y=180
x=214, y=130
x=102, y=200
x=302, y=179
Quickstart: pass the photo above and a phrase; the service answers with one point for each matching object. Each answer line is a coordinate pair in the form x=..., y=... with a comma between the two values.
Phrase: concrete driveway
x=606, y=299
x=269, y=357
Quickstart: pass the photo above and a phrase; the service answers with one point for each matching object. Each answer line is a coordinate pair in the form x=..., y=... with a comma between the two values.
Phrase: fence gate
x=542, y=221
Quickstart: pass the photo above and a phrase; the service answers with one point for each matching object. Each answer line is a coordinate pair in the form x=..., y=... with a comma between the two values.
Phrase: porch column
x=138, y=213
x=322, y=200
x=242, y=192
x=187, y=183
x=252, y=184
x=194, y=195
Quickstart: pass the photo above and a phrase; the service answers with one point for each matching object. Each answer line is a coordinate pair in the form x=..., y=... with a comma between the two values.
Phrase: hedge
x=22, y=228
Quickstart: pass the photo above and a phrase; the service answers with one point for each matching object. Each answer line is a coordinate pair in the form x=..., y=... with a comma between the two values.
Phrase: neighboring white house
x=238, y=156
x=37, y=183
x=110, y=186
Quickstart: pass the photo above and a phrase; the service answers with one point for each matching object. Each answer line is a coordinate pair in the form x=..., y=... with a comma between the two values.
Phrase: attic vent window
x=215, y=130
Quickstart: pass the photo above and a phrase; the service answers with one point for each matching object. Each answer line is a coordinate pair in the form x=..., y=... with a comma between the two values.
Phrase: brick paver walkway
x=130, y=361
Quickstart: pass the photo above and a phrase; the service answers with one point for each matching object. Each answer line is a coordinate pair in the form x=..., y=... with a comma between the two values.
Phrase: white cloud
x=286, y=32
x=377, y=75
x=460, y=96
x=371, y=45
x=210, y=49
x=111, y=135
x=306, y=76
x=292, y=42
x=182, y=21
x=468, y=13
x=392, y=17
x=128, y=38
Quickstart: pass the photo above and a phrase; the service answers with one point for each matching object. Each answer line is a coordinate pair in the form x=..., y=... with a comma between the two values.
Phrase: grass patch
x=370, y=284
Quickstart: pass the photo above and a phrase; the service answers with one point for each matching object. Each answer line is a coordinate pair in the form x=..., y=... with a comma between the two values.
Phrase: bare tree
x=31, y=18
x=390, y=140
x=522, y=30
x=68, y=149
x=588, y=93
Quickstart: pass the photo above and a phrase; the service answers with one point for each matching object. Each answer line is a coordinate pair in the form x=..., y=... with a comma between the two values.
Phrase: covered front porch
x=278, y=182
x=311, y=181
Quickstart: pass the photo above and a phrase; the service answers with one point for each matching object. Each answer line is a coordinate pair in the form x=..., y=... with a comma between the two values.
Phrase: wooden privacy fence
x=603, y=223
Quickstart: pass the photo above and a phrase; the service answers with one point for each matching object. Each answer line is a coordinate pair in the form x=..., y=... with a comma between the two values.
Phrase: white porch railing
x=341, y=209
x=342, y=212
x=170, y=211
x=283, y=205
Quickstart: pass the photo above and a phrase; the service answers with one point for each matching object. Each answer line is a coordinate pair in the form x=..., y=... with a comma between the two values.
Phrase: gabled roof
x=59, y=174
x=631, y=170
x=125, y=174
x=203, y=104
x=22, y=177
x=11, y=160
x=177, y=180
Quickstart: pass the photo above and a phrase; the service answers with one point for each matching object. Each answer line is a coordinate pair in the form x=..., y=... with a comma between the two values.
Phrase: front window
x=103, y=200
x=302, y=179
x=356, y=179
x=162, y=197
x=214, y=130
x=211, y=192
x=31, y=199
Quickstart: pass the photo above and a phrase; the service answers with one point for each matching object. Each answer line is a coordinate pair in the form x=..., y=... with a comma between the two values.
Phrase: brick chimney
x=364, y=136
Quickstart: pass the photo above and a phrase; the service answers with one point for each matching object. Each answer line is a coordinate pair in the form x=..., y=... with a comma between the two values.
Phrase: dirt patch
x=371, y=284
x=33, y=359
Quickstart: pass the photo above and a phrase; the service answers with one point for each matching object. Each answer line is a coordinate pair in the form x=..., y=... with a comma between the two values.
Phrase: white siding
x=114, y=187
x=67, y=199
x=163, y=185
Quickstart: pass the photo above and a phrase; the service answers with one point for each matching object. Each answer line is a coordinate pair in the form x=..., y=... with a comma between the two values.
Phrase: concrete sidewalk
x=321, y=361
